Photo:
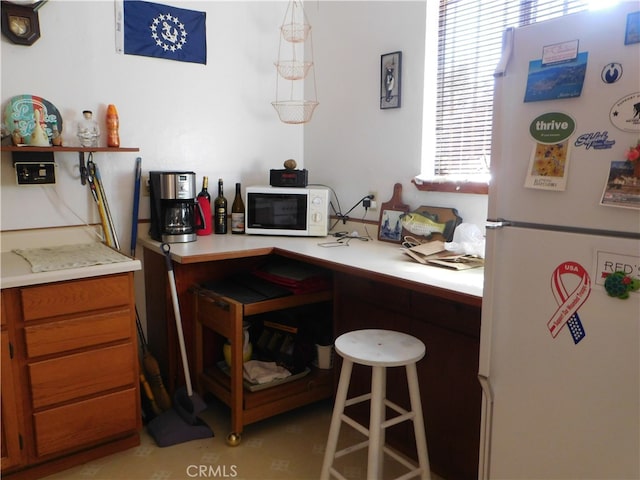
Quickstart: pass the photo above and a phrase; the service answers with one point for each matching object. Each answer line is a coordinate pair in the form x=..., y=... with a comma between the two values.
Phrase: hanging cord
x=345, y=216
x=56, y=199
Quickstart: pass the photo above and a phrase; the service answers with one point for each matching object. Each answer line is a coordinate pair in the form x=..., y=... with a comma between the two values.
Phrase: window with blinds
x=469, y=48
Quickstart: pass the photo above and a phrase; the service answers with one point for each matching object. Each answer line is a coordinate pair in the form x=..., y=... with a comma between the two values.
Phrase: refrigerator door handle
x=493, y=224
x=485, y=428
x=507, y=48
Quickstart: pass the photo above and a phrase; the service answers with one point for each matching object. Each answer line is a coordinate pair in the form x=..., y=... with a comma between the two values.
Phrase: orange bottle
x=113, y=138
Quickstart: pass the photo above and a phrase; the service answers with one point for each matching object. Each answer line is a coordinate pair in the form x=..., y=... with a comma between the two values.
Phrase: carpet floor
x=287, y=446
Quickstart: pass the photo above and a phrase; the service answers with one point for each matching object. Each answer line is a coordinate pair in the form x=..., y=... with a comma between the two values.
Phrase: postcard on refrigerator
x=548, y=166
x=622, y=188
x=556, y=80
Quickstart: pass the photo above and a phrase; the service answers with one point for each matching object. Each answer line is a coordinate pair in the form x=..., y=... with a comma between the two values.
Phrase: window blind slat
x=469, y=47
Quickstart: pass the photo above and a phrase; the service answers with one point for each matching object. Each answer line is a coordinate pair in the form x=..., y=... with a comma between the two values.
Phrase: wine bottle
x=237, y=212
x=220, y=211
x=204, y=199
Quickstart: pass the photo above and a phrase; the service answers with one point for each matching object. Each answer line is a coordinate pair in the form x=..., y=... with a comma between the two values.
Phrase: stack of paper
x=434, y=253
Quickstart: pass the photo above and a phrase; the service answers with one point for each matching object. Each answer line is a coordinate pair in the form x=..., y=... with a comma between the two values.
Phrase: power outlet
x=374, y=201
x=145, y=187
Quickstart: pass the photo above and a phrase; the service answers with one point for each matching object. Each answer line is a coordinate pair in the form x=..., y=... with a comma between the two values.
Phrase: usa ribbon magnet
x=569, y=301
x=161, y=31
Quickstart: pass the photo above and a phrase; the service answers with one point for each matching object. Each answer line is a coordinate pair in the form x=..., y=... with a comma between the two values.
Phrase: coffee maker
x=174, y=207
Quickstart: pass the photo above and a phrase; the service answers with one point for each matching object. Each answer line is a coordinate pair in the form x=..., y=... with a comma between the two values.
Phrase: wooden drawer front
x=85, y=331
x=446, y=314
x=80, y=424
x=218, y=314
x=72, y=376
x=76, y=296
x=389, y=296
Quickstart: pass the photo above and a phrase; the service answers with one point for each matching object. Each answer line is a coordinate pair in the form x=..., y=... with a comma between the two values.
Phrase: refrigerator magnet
x=595, y=141
x=569, y=301
x=618, y=285
x=549, y=161
x=632, y=33
x=622, y=187
x=560, y=52
x=557, y=80
x=625, y=113
x=611, y=73
x=617, y=273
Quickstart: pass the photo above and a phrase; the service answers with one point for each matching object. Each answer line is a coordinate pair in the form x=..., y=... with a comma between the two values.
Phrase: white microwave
x=292, y=211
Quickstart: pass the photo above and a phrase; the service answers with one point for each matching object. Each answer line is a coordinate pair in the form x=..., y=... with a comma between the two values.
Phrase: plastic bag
x=468, y=239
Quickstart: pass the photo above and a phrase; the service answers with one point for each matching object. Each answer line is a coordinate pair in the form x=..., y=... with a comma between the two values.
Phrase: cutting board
x=389, y=229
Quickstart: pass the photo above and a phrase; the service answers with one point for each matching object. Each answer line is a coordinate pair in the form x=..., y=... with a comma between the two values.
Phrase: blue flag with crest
x=156, y=30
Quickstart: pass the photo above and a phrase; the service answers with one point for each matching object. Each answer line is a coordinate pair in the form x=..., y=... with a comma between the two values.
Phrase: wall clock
x=20, y=23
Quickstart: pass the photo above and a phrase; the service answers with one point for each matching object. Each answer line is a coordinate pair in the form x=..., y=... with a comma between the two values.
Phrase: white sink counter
x=15, y=271
x=369, y=258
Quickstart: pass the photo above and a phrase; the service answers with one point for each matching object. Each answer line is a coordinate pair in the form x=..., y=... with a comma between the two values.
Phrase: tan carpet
x=288, y=446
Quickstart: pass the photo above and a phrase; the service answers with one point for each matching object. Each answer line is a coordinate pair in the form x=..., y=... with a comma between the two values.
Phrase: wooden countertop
x=373, y=259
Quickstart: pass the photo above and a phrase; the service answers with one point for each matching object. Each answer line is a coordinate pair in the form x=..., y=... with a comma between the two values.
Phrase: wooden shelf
x=315, y=386
x=224, y=316
x=18, y=152
x=13, y=148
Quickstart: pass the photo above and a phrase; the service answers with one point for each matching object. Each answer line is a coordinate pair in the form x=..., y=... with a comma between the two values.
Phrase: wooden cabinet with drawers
x=73, y=373
x=12, y=454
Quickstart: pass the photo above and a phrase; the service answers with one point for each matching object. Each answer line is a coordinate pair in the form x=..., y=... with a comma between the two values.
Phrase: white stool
x=378, y=349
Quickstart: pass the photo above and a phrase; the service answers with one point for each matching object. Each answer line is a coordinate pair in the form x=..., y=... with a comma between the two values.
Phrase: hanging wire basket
x=293, y=69
x=295, y=32
x=295, y=111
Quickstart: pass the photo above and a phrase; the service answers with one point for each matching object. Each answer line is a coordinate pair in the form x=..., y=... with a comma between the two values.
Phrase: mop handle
x=176, y=313
x=136, y=203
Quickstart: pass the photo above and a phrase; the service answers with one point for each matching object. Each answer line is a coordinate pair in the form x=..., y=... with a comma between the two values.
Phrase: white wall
x=217, y=119
x=214, y=119
x=352, y=144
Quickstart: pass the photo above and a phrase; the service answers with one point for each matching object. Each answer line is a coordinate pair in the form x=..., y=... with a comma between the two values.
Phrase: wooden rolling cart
x=224, y=316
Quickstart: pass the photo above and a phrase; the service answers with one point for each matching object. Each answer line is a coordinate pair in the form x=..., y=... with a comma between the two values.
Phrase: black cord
x=338, y=213
x=345, y=216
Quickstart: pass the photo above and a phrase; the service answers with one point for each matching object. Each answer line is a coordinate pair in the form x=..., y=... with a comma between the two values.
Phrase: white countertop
x=372, y=257
x=15, y=271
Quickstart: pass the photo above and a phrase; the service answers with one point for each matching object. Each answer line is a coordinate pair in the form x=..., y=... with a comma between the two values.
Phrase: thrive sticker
x=552, y=127
x=548, y=166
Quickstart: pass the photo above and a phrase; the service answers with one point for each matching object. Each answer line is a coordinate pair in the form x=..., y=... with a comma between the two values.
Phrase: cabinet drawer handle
x=215, y=299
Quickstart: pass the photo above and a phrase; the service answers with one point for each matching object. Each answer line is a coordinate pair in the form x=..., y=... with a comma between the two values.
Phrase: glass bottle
x=113, y=137
x=56, y=138
x=237, y=212
x=88, y=130
x=204, y=200
x=220, y=211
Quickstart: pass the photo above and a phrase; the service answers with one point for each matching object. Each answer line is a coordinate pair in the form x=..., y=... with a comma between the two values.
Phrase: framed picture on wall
x=390, y=80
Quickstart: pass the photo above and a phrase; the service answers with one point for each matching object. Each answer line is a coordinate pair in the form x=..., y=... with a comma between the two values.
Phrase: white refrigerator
x=559, y=355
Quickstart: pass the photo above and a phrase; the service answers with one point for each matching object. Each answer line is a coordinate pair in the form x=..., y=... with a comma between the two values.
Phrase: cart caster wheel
x=234, y=439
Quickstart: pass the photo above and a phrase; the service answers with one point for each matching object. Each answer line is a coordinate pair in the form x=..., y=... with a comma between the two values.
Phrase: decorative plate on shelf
x=32, y=120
